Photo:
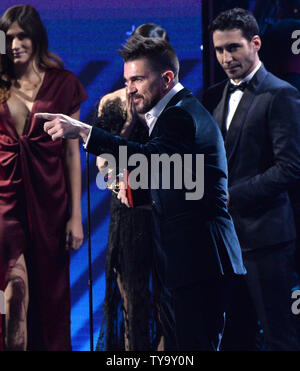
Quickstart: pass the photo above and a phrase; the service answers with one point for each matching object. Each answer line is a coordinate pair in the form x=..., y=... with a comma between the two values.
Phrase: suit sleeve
x=212, y=96
x=284, y=131
x=176, y=136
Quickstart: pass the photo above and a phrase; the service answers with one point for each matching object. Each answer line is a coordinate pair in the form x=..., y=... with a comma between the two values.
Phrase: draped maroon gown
x=34, y=210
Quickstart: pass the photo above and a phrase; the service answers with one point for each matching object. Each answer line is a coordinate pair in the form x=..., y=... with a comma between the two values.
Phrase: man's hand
x=62, y=126
x=122, y=194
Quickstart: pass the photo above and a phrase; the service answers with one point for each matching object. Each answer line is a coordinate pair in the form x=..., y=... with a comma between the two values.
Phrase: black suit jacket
x=263, y=152
x=194, y=239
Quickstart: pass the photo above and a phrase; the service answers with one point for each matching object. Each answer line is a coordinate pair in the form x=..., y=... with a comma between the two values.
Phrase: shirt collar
x=160, y=106
x=248, y=77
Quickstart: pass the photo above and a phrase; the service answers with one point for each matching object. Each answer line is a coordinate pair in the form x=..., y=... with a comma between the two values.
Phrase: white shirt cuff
x=87, y=140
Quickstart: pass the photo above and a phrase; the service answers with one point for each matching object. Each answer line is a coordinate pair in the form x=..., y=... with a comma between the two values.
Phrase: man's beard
x=145, y=106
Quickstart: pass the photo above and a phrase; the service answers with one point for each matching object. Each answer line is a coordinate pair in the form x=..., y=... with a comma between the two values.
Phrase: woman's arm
x=74, y=230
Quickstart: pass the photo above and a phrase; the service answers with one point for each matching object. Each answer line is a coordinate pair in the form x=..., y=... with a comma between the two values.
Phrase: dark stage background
x=86, y=35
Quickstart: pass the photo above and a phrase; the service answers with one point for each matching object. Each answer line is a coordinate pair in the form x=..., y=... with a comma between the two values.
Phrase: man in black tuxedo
x=196, y=247
x=259, y=118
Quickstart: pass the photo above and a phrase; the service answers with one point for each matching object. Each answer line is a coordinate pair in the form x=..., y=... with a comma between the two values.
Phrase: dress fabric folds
x=34, y=210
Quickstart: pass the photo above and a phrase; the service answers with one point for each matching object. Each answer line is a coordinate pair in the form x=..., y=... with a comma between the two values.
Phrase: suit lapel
x=177, y=98
x=240, y=115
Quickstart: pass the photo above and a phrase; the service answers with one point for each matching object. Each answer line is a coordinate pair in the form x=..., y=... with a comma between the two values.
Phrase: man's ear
x=256, y=42
x=168, y=77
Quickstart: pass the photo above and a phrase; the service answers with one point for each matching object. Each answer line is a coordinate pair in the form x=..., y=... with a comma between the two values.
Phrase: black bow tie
x=233, y=88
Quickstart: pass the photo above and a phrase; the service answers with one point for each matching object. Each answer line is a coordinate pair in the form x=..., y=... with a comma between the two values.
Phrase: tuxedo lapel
x=177, y=98
x=237, y=122
x=240, y=115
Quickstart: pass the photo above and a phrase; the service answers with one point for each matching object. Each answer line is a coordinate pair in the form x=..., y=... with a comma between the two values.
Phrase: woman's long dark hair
x=30, y=21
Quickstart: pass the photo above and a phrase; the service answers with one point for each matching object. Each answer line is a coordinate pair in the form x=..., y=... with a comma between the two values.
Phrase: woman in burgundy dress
x=4, y=95
x=40, y=189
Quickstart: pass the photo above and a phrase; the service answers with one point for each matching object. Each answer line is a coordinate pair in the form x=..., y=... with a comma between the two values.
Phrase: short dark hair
x=239, y=18
x=157, y=51
x=151, y=30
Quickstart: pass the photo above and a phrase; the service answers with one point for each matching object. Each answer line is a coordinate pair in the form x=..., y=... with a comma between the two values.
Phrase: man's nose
x=131, y=88
x=227, y=57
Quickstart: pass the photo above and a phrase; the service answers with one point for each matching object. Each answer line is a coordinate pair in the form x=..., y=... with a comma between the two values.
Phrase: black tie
x=233, y=88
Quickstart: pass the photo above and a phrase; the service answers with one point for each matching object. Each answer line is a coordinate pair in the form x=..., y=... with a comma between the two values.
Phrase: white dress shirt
x=236, y=96
x=152, y=115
